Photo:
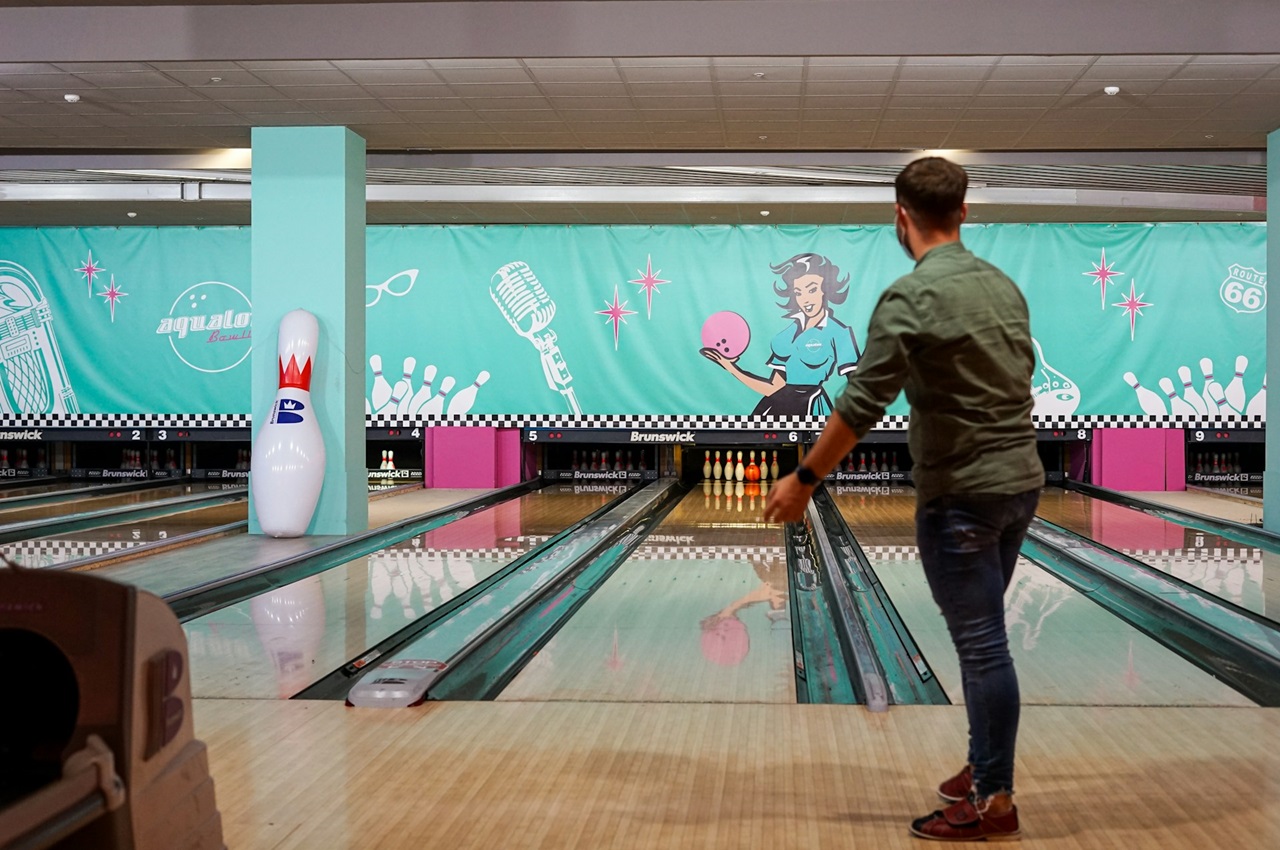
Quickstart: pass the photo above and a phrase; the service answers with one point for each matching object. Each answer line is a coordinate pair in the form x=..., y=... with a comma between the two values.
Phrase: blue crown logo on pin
x=286, y=412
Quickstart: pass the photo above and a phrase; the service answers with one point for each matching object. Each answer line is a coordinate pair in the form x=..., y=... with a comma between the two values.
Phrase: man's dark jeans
x=969, y=545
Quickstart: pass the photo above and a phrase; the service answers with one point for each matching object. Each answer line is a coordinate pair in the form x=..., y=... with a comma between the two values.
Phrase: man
x=955, y=335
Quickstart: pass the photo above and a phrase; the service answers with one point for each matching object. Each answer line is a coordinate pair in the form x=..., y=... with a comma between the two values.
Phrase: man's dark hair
x=932, y=191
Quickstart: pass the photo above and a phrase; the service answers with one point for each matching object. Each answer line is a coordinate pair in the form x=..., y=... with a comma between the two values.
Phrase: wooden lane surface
x=1244, y=575
x=698, y=613
x=1067, y=649
x=90, y=502
x=1204, y=502
x=280, y=642
x=172, y=571
x=596, y=775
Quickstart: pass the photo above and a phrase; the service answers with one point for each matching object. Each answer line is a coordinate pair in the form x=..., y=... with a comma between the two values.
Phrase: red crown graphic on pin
x=292, y=376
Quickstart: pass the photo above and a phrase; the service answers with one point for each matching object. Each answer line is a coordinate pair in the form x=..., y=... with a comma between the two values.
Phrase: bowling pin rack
x=1225, y=459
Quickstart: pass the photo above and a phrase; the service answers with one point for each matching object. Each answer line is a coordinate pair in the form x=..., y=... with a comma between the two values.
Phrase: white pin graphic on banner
x=1189, y=393
x=288, y=450
x=435, y=405
x=465, y=399
x=1177, y=406
x=423, y=395
x=404, y=387
x=1147, y=400
x=1234, y=391
x=381, y=388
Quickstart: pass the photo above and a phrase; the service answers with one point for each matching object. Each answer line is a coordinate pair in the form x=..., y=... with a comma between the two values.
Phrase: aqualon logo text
x=677, y=437
x=286, y=411
x=208, y=327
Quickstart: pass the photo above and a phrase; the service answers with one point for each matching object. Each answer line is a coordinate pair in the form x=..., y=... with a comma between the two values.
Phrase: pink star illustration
x=616, y=314
x=89, y=270
x=1133, y=306
x=1102, y=274
x=112, y=294
x=650, y=281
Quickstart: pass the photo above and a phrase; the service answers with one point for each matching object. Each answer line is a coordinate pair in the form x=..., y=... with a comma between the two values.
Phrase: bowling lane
x=109, y=540
x=1245, y=575
x=85, y=502
x=1068, y=650
x=1208, y=503
x=698, y=613
x=39, y=487
x=279, y=643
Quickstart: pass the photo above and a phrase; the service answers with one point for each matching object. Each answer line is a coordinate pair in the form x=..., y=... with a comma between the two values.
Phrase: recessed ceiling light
x=759, y=75
x=762, y=138
x=215, y=79
x=132, y=214
x=764, y=213
x=71, y=98
x=1208, y=135
x=1112, y=90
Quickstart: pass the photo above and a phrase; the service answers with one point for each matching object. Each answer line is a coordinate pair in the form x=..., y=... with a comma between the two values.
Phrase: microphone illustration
x=529, y=310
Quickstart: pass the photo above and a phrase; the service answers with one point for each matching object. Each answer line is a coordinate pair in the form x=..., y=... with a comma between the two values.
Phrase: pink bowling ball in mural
x=727, y=333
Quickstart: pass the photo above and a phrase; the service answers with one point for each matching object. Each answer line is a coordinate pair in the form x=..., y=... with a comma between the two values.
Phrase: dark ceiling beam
x=629, y=28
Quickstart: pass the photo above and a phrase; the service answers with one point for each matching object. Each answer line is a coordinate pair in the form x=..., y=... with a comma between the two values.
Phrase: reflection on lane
x=115, y=539
x=1244, y=575
x=280, y=642
x=698, y=613
x=86, y=502
x=1067, y=649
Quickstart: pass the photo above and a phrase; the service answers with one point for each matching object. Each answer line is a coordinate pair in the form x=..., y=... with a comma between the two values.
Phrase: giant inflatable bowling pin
x=288, y=452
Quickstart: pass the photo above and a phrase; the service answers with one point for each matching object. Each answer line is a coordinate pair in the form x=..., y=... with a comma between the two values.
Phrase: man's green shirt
x=954, y=334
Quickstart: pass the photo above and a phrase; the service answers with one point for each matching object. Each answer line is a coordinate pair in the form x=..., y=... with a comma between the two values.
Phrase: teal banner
x=1128, y=319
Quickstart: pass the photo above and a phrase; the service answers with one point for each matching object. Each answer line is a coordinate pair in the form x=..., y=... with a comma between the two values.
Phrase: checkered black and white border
x=126, y=420
x=36, y=553
x=634, y=423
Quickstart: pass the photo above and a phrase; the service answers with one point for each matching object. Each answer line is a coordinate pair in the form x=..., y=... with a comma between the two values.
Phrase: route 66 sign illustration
x=1245, y=289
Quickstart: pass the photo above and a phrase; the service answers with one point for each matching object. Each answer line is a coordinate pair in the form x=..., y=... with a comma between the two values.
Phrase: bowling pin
x=404, y=386
x=1234, y=391
x=773, y=467
x=894, y=467
x=764, y=466
x=288, y=450
x=706, y=465
x=4, y=458
x=463, y=400
x=22, y=459
x=1147, y=400
x=423, y=395
x=1216, y=397
x=1258, y=404
x=1210, y=384
x=874, y=467
x=1177, y=406
x=391, y=459
x=739, y=471
x=435, y=405
x=862, y=462
x=1189, y=393
x=383, y=464
x=717, y=469
x=381, y=389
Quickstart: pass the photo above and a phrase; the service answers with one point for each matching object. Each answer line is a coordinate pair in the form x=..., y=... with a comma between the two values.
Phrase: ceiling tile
x=314, y=93
x=1023, y=87
x=672, y=89
x=286, y=64
x=590, y=102
x=380, y=64
x=957, y=88
x=617, y=89
x=664, y=74
x=331, y=77
x=843, y=72
x=228, y=77
x=476, y=63
x=393, y=77
x=482, y=91
x=63, y=82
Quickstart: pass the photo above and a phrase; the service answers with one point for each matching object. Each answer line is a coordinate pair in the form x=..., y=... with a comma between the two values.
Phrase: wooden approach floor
x=609, y=775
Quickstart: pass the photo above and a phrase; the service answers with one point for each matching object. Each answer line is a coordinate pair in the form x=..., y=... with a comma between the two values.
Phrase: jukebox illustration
x=33, y=378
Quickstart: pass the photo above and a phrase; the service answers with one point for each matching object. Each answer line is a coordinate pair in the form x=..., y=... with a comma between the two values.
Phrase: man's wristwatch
x=806, y=475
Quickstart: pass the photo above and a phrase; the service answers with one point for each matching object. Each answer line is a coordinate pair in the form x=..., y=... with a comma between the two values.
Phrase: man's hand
x=787, y=499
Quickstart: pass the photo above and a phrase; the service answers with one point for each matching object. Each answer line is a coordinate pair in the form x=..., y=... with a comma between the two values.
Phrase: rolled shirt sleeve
x=882, y=370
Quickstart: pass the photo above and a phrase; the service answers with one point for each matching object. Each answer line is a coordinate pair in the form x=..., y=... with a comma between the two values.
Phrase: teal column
x=1271, y=478
x=308, y=238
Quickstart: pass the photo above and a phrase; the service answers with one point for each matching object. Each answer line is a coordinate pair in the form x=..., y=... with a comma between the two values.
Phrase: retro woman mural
x=812, y=347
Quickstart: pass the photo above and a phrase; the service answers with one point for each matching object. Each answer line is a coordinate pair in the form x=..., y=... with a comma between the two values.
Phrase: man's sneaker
x=957, y=787
x=968, y=820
